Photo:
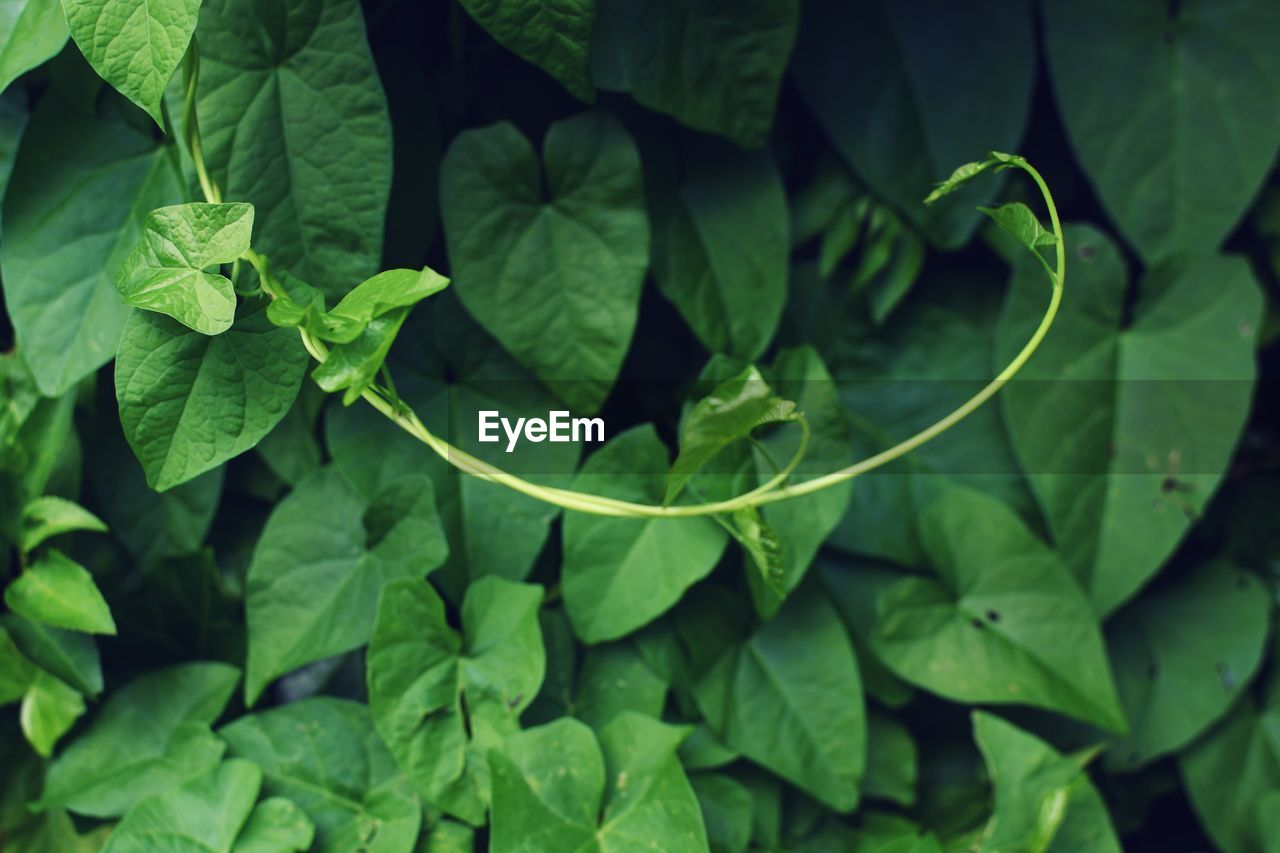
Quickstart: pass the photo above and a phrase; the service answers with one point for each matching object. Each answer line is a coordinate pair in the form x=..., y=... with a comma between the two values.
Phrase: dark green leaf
x=295, y=123
x=1198, y=70
x=556, y=788
x=790, y=699
x=621, y=573
x=323, y=558
x=550, y=256
x=1004, y=622
x=441, y=700
x=324, y=755
x=190, y=402
x=555, y=35
x=1102, y=419
x=150, y=735
x=908, y=90
x=713, y=66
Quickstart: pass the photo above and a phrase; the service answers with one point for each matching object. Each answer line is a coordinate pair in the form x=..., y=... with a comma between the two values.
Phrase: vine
x=1015, y=218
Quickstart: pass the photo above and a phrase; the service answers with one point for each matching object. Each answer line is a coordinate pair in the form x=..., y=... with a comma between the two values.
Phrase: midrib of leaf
x=779, y=687
x=717, y=279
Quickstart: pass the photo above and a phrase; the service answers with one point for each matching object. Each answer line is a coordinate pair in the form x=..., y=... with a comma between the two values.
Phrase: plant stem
x=389, y=404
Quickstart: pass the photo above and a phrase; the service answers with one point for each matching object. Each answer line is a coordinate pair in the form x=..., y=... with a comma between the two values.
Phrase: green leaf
x=790, y=699
x=1044, y=801
x=324, y=755
x=1125, y=428
x=875, y=75
x=74, y=209
x=727, y=415
x=16, y=672
x=712, y=66
x=166, y=271
x=803, y=524
x=440, y=699
x=58, y=591
x=550, y=257
x=720, y=244
x=727, y=808
x=892, y=761
x=34, y=31
x=295, y=123
x=616, y=678
x=1198, y=70
x=150, y=735
x=492, y=530
x=1004, y=622
x=556, y=788
x=621, y=573
x=134, y=47
x=70, y=655
x=49, y=709
x=765, y=550
x=322, y=560
x=554, y=35
x=204, y=814
x=190, y=402
x=1229, y=774
x=896, y=379
x=49, y=516
x=1018, y=219
x=1182, y=654
x=275, y=825
x=352, y=367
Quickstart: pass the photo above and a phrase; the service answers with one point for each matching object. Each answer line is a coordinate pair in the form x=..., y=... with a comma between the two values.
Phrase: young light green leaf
x=210, y=400
x=352, y=367
x=790, y=699
x=276, y=825
x=712, y=67
x=49, y=709
x=1199, y=70
x=48, y=516
x=58, y=591
x=135, y=47
x=1118, y=460
x=555, y=787
x=31, y=31
x=73, y=211
x=621, y=573
x=555, y=35
x=764, y=548
x=550, y=257
x=727, y=415
x=860, y=67
x=150, y=735
x=324, y=556
x=441, y=701
x=323, y=754
x=1044, y=801
x=1004, y=622
x=1017, y=219
x=386, y=292
x=1182, y=656
x=166, y=273
x=204, y=814
x=720, y=243
x=295, y=123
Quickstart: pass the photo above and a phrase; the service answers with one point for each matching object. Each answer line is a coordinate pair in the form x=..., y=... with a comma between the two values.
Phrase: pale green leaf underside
x=33, y=31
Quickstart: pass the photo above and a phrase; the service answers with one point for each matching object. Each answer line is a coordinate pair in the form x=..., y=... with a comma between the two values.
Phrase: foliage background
x=1082, y=575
